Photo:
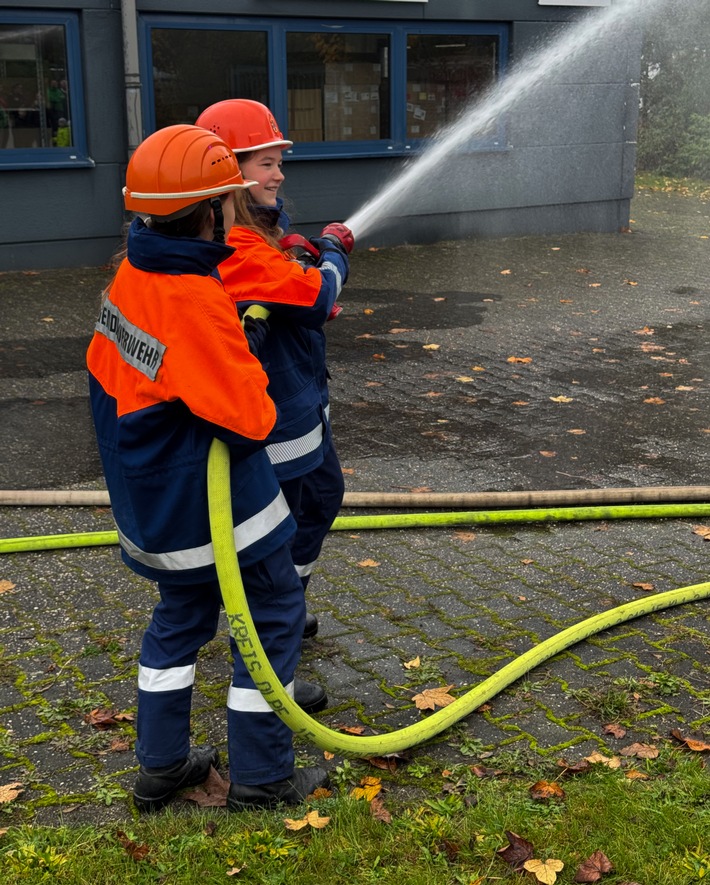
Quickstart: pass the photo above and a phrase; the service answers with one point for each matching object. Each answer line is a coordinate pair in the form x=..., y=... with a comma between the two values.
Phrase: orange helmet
x=245, y=125
x=177, y=167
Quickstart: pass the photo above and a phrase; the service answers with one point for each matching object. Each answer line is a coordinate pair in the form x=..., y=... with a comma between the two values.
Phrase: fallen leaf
x=581, y=767
x=413, y=664
x=521, y=402
x=398, y=331
x=527, y=561
x=8, y=792
x=379, y=812
x=594, y=285
x=545, y=871
x=212, y=793
x=464, y=379
x=505, y=272
x=577, y=431
x=703, y=531
x=600, y=759
x=645, y=331
x=386, y=763
x=630, y=283
x=321, y=793
x=642, y=585
x=378, y=356
x=465, y=536
x=133, y=849
x=643, y=751
x=633, y=774
x=517, y=853
x=431, y=698
x=562, y=399
x=6, y=586
x=547, y=454
x=692, y=744
x=655, y=400
x=543, y=791
x=328, y=755
x=593, y=868
x=312, y=819
x=368, y=789
x=348, y=471
x=431, y=346
x=483, y=771
x=618, y=731
x=368, y=563
x=351, y=729
x=101, y=719
x=235, y=871
x=684, y=387
x=519, y=359
x=477, y=369
x=368, y=311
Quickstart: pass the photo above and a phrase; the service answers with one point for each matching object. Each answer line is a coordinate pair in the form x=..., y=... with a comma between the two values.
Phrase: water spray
x=476, y=118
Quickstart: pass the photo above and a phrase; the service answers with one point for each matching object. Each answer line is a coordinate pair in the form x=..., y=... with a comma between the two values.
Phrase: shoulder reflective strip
x=136, y=347
x=171, y=679
x=281, y=452
x=304, y=570
x=336, y=272
x=245, y=534
x=249, y=700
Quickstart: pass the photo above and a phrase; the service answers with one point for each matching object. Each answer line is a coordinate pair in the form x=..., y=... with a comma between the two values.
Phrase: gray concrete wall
x=567, y=162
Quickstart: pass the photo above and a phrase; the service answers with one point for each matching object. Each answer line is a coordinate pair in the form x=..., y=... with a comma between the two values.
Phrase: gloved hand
x=255, y=330
x=339, y=234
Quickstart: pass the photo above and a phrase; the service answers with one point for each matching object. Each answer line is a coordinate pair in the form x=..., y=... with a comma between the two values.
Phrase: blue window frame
x=338, y=88
x=42, y=121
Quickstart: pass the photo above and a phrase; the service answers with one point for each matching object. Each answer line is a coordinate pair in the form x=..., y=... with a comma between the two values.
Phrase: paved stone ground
x=605, y=321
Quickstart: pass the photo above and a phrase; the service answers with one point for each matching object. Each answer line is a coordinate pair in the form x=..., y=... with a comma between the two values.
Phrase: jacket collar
x=156, y=253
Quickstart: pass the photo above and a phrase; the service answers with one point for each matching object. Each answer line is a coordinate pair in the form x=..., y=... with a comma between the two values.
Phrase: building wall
x=567, y=162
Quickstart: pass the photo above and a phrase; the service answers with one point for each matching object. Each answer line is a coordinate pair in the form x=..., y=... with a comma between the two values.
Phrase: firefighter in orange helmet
x=300, y=296
x=171, y=369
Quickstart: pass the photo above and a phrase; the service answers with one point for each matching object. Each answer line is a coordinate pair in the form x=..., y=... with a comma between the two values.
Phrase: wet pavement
x=552, y=362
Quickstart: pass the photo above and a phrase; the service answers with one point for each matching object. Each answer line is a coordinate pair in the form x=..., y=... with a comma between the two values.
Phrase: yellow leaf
x=505, y=272
x=368, y=563
x=562, y=399
x=521, y=402
x=8, y=792
x=477, y=369
x=703, y=531
x=432, y=346
x=655, y=400
x=645, y=331
x=545, y=870
x=431, y=698
x=328, y=755
x=598, y=758
x=630, y=283
x=519, y=359
x=594, y=285
x=464, y=379
x=548, y=454
x=577, y=431
x=6, y=586
x=292, y=824
x=316, y=821
x=635, y=775
x=368, y=311
x=368, y=789
x=643, y=585
x=413, y=664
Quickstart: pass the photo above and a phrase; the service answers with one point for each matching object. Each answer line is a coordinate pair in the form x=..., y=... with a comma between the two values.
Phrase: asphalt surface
x=566, y=362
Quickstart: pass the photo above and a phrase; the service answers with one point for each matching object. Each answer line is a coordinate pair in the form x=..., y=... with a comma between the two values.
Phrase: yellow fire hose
x=245, y=635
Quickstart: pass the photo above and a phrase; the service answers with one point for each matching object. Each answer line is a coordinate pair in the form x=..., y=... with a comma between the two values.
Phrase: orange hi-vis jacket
x=300, y=300
x=170, y=369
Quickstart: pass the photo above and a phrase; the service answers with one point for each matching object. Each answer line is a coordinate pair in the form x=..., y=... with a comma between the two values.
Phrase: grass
x=689, y=187
x=654, y=830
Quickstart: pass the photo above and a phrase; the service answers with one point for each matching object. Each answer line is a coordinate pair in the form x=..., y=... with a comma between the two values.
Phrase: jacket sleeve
x=258, y=273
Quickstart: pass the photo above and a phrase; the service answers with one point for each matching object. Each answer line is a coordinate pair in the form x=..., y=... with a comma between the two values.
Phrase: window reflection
x=338, y=87
x=193, y=68
x=35, y=105
x=444, y=74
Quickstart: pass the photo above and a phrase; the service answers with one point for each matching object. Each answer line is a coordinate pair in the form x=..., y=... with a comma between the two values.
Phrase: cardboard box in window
x=353, y=73
x=426, y=108
x=305, y=110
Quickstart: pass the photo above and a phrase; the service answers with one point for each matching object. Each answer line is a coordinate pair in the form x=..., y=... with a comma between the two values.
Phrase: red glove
x=340, y=233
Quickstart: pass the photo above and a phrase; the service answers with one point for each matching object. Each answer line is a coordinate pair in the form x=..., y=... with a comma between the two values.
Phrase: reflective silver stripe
x=295, y=448
x=338, y=279
x=249, y=700
x=165, y=680
x=245, y=534
x=303, y=570
x=327, y=412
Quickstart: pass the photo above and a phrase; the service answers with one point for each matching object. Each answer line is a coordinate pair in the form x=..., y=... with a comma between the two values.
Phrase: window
x=41, y=114
x=338, y=89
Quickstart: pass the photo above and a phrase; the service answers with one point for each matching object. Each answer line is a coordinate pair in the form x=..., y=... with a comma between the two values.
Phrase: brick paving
x=604, y=321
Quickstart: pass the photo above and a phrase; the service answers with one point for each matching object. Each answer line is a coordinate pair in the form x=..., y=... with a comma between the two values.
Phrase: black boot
x=155, y=787
x=311, y=627
x=311, y=698
x=290, y=791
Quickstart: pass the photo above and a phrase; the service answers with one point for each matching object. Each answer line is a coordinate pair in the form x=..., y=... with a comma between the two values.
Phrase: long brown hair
x=253, y=220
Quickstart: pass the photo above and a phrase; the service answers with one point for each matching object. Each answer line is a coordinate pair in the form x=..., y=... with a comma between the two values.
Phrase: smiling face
x=264, y=167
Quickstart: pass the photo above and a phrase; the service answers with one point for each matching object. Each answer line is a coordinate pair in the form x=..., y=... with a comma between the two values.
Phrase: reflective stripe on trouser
x=260, y=744
x=314, y=502
x=183, y=621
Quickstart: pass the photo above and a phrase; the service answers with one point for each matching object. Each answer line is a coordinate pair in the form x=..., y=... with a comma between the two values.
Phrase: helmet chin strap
x=218, y=232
